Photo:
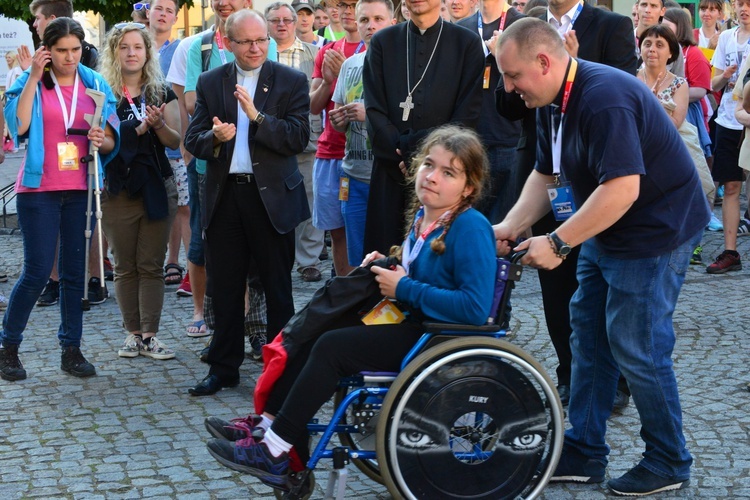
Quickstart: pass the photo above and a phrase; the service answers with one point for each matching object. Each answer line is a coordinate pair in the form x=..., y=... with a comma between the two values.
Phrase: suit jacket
x=282, y=95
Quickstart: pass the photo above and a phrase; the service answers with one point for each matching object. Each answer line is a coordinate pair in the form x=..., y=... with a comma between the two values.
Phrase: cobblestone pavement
x=134, y=432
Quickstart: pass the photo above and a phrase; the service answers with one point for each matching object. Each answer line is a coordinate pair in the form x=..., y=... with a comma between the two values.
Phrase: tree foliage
x=112, y=11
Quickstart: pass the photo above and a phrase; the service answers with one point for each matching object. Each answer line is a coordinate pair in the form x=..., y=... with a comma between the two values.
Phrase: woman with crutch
x=140, y=199
x=44, y=103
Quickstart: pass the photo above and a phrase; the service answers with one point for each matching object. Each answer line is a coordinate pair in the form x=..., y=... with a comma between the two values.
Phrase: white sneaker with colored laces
x=156, y=349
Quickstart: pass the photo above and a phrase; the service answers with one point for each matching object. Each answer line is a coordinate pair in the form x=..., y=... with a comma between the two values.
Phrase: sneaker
x=3, y=277
x=50, y=295
x=238, y=428
x=715, y=224
x=184, y=290
x=639, y=481
x=109, y=272
x=73, y=362
x=622, y=400
x=697, y=257
x=744, y=228
x=3, y=302
x=11, y=368
x=575, y=468
x=719, y=198
x=725, y=262
x=97, y=291
x=156, y=350
x=300, y=484
x=251, y=458
x=132, y=347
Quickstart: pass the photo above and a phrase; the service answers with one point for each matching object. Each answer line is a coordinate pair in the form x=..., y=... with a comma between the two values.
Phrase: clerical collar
x=431, y=30
x=247, y=74
x=558, y=99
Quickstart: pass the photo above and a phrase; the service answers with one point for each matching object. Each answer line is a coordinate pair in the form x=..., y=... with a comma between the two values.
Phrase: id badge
x=486, y=78
x=344, y=189
x=561, y=198
x=67, y=156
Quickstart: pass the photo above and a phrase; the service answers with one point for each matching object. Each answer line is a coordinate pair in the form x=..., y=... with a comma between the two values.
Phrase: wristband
x=160, y=126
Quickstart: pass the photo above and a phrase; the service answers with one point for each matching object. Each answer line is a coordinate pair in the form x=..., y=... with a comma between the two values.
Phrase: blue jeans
x=42, y=216
x=196, y=253
x=501, y=195
x=354, y=212
x=621, y=317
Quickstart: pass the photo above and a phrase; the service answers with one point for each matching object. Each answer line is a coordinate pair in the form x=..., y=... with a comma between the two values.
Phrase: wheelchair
x=468, y=416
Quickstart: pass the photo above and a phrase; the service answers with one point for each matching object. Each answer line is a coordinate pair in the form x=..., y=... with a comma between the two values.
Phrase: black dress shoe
x=211, y=385
x=564, y=392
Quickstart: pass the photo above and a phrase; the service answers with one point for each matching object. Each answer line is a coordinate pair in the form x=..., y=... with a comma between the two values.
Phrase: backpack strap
x=207, y=43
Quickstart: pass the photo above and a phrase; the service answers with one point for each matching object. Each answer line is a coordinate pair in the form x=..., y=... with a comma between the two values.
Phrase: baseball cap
x=303, y=4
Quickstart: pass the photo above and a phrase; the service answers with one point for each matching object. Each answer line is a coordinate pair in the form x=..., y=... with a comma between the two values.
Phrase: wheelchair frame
x=473, y=440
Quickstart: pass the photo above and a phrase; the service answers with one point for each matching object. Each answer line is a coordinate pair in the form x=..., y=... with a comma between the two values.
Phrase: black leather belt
x=241, y=178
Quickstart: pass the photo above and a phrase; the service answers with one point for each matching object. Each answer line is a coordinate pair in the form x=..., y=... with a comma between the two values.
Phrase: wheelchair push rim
x=470, y=418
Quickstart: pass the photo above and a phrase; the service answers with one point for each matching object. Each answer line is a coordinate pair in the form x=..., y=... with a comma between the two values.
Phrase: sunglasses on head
x=120, y=26
x=141, y=6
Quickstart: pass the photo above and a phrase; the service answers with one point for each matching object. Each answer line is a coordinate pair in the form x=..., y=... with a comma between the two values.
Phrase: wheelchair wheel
x=470, y=418
x=365, y=416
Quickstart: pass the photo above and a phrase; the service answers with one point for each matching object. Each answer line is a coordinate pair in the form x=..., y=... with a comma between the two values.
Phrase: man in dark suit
x=250, y=121
x=595, y=35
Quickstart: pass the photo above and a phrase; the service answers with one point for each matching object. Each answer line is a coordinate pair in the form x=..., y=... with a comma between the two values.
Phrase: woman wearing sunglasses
x=140, y=200
x=43, y=105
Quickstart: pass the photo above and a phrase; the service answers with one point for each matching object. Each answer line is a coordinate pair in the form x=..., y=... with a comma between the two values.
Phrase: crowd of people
x=249, y=142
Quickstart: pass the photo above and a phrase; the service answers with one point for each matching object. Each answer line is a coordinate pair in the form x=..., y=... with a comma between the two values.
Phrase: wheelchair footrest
x=337, y=477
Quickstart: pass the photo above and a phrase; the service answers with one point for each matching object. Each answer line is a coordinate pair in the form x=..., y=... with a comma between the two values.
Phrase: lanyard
x=557, y=136
x=480, y=29
x=138, y=115
x=359, y=47
x=410, y=254
x=68, y=120
x=220, y=45
x=572, y=19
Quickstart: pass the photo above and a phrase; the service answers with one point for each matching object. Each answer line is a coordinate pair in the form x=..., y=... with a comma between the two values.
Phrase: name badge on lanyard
x=67, y=152
x=409, y=254
x=560, y=192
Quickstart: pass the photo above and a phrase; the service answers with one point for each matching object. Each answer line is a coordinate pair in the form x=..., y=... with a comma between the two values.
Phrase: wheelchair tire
x=360, y=441
x=470, y=418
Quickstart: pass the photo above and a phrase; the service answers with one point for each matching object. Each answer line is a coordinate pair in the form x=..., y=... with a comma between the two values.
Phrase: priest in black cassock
x=417, y=75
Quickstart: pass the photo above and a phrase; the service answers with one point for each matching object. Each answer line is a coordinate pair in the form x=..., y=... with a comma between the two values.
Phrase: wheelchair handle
x=515, y=257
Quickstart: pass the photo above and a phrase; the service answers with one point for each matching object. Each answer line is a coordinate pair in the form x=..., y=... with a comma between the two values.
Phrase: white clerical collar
x=246, y=74
x=563, y=21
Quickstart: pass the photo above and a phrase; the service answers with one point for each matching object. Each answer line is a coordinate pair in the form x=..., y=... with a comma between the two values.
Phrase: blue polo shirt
x=614, y=127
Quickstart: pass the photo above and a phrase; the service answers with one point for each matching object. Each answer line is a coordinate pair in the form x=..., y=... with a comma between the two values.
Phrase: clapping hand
x=223, y=132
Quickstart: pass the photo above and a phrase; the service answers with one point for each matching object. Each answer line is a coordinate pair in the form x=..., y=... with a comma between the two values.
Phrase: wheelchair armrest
x=454, y=329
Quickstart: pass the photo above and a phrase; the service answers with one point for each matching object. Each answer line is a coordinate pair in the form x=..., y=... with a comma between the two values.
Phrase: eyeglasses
x=120, y=26
x=276, y=21
x=251, y=43
x=344, y=6
x=141, y=6
x=518, y=4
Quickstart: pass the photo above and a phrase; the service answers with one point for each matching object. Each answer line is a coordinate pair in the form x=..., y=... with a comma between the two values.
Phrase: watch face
x=564, y=250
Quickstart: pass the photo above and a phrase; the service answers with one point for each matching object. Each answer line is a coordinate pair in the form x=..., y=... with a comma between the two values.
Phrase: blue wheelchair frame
x=508, y=272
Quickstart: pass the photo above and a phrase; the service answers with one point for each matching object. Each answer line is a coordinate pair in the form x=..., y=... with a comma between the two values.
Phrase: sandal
x=198, y=329
x=173, y=274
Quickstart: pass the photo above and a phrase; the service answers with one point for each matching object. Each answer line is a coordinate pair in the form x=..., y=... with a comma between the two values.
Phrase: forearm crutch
x=94, y=192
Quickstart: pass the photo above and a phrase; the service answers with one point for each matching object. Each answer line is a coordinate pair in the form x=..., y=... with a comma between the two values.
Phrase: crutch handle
x=78, y=131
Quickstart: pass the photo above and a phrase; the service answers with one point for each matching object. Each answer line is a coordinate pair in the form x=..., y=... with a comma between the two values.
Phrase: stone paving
x=134, y=432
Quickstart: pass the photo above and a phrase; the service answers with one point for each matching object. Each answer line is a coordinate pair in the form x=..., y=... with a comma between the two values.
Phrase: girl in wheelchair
x=446, y=274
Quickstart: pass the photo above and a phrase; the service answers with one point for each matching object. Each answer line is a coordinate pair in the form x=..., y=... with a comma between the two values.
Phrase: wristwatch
x=259, y=118
x=561, y=248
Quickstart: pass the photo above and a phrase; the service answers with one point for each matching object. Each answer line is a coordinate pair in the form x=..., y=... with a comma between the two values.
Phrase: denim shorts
x=196, y=252
x=327, y=207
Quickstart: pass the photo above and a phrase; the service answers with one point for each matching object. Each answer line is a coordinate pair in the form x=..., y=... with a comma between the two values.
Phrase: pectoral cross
x=407, y=106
